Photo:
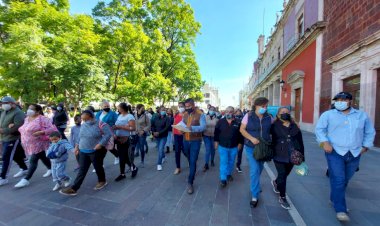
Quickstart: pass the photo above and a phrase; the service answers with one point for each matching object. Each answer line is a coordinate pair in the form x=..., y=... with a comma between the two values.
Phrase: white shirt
x=123, y=120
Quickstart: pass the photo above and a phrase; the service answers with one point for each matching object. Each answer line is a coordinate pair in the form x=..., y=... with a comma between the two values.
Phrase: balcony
x=262, y=76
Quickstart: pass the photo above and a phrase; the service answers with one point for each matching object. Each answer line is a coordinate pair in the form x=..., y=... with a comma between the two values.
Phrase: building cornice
x=310, y=35
x=353, y=48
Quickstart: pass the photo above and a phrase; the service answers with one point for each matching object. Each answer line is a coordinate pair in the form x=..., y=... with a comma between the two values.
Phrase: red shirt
x=177, y=119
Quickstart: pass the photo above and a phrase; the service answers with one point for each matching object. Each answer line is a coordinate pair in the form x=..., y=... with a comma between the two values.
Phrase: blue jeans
x=141, y=146
x=191, y=149
x=255, y=169
x=161, y=149
x=210, y=149
x=58, y=171
x=341, y=170
x=227, y=160
x=178, y=144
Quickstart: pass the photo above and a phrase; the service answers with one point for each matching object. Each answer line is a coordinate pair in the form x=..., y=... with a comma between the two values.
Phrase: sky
x=227, y=46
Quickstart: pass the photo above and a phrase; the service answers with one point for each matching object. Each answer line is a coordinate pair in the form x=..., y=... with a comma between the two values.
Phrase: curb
x=293, y=210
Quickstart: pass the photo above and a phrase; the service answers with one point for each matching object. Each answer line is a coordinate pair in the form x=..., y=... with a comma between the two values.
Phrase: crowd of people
x=124, y=133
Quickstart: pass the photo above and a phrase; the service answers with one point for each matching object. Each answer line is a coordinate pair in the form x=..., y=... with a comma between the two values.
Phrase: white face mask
x=30, y=113
x=6, y=107
x=181, y=110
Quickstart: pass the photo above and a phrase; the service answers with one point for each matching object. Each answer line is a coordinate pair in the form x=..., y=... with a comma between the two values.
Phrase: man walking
x=345, y=134
x=228, y=140
x=11, y=118
x=195, y=121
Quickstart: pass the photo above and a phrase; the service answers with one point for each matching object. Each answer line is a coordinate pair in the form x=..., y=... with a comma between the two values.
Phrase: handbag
x=263, y=150
x=122, y=140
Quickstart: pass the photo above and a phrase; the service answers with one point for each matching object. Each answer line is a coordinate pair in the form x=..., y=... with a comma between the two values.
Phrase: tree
x=49, y=55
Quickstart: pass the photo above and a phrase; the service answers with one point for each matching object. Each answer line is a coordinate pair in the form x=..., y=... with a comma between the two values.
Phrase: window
x=207, y=95
x=207, y=101
x=279, y=53
x=300, y=26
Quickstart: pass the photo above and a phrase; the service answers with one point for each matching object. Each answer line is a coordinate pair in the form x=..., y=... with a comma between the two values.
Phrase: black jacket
x=228, y=135
x=162, y=125
x=60, y=118
x=284, y=139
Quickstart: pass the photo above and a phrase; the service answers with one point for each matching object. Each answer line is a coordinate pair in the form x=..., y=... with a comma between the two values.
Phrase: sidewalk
x=160, y=198
x=310, y=194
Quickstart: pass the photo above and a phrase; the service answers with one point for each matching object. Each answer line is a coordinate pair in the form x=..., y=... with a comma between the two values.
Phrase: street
x=160, y=198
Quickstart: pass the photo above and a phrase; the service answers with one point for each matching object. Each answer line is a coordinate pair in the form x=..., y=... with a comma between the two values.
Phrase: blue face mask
x=262, y=110
x=229, y=116
x=212, y=113
x=163, y=113
x=341, y=105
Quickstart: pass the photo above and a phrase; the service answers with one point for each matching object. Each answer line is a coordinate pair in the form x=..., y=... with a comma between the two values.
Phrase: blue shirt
x=346, y=132
x=202, y=125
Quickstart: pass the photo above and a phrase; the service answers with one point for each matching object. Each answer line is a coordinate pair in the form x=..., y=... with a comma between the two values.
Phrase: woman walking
x=208, y=137
x=60, y=119
x=93, y=138
x=169, y=140
x=286, y=138
x=255, y=126
x=125, y=128
x=35, y=140
x=142, y=128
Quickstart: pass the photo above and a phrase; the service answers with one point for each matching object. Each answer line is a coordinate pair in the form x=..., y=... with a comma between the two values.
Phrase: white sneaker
x=21, y=173
x=47, y=174
x=116, y=162
x=67, y=183
x=159, y=167
x=342, y=216
x=22, y=183
x=57, y=187
x=3, y=181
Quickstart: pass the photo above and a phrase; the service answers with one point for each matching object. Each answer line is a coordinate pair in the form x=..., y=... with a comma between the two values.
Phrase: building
x=351, y=56
x=210, y=96
x=288, y=68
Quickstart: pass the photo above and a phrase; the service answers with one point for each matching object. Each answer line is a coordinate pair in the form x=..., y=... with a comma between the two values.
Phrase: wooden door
x=377, y=111
x=352, y=85
x=297, y=106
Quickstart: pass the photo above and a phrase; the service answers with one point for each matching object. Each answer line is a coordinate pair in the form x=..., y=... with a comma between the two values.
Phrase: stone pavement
x=160, y=198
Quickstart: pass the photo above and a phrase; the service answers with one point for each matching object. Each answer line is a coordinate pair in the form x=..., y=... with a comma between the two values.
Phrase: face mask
x=107, y=109
x=229, y=116
x=285, y=116
x=59, y=108
x=181, y=110
x=212, y=113
x=163, y=113
x=217, y=114
x=143, y=112
x=262, y=110
x=30, y=113
x=238, y=116
x=189, y=110
x=78, y=123
x=341, y=105
x=6, y=107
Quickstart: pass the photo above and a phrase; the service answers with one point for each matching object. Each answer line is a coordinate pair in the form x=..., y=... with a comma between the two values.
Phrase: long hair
x=38, y=109
x=127, y=108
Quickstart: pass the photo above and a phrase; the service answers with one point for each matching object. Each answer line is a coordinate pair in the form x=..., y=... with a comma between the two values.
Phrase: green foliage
x=137, y=51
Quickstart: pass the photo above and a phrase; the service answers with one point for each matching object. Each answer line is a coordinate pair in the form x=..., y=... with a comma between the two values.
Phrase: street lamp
x=282, y=83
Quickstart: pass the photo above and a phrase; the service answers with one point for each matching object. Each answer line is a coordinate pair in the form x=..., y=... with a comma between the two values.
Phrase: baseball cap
x=8, y=99
x=343, y=95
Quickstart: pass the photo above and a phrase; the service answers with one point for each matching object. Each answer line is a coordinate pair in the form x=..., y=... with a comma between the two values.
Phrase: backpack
x=111, y=142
